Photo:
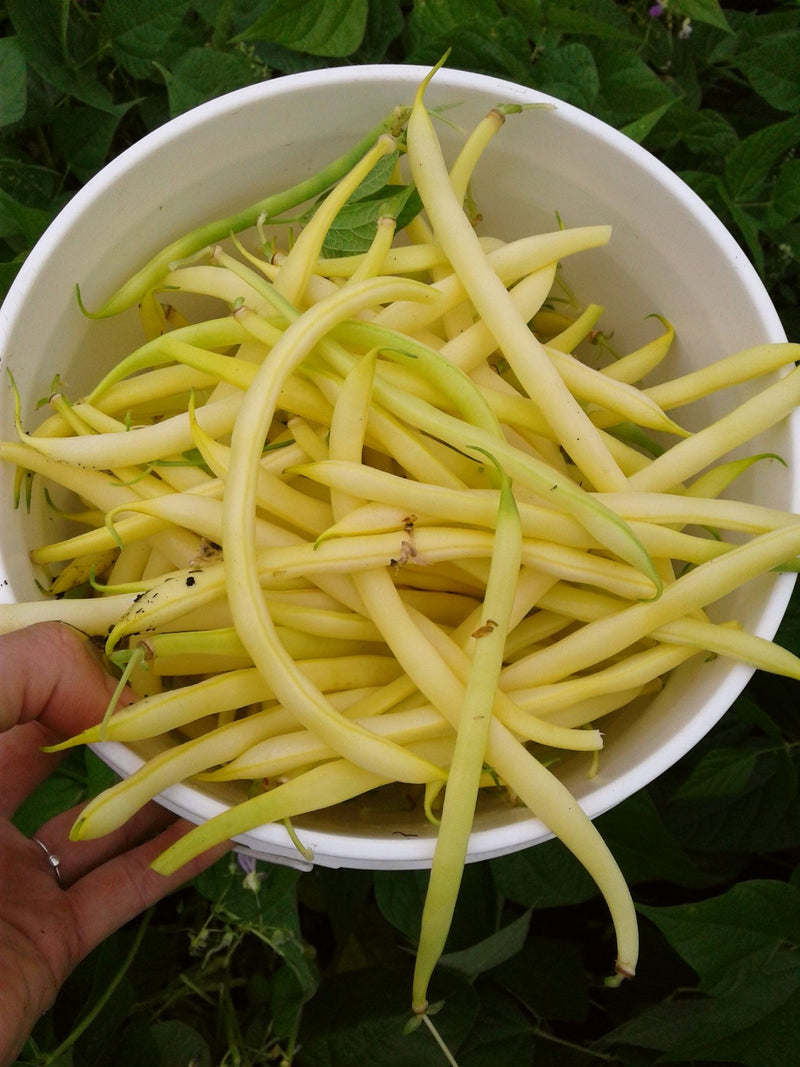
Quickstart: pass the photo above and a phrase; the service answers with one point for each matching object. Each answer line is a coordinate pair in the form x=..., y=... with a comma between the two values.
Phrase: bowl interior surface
x=668, y=254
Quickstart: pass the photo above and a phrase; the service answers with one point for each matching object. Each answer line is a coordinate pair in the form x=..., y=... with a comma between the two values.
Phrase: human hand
x=51, y=686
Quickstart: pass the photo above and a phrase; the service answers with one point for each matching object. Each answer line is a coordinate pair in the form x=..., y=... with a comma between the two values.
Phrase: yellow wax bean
x=686, y=508
x=634, y=671
x=152, y=386
x=288, y=752
x=708, y=582
x=742, y=424
x=375, y=258
x=435, y=544
x=244, y=594
x=522, y=722
x=466, y=765
x=212, y=333
x=510, y=262
x=148, y=443
x=318, y=788
x=638, y=364
x=94, y=617
x=491, y=300
x=472, y=149
x=113, y=807
x=571, y=336
x=298, y=266
x=740, y=367
x=524, y=775
x=472, y=347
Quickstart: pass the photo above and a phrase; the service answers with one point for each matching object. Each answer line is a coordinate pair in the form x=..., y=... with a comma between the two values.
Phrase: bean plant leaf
x=761, y=814
x=785, y=204
x=640, y=128
x=542, y=877
x=201, y=74
x=13, y=81
x=359, y=1018
x=726, y=939
x=177, y=1042
x=491, y=951
x=400, y=896
x=749, y=164
x=21, y=220
x=84, y=135
x=318, y=27
x=44, y=36
x=705, y=11
x=569, y=73
x=263, y=901
x=503, y=1034
x=479, y=33
x=548, y=975
x=384, y=25
x=720, y=772
x=138, y=32
x=754, y=1026
x=354, y=226
x=774, y=72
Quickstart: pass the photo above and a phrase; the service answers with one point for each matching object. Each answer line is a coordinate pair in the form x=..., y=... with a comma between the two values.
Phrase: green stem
x=209, y=234
x=103, y=999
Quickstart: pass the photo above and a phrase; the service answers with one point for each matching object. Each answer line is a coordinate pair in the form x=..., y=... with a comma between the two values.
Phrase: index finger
x=51, y=672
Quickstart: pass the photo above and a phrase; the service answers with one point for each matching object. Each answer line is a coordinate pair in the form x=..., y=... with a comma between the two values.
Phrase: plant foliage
x=254, y=964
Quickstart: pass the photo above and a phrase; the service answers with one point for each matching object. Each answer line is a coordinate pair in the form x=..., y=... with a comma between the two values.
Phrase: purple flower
x=656, y=11
x=246, y=862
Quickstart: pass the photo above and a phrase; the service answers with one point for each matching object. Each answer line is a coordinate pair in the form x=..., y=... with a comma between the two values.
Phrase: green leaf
x=18, y=219
x=603, y=21
x=569, y=73
x=8, y=272
x=84, y=135
x=629, y=88
x=138, y=32
x=359, y=1017
x=645, y=124
x=491, y=951
x=13, y=81
x=546, y=876
x=749, y=164
x=708, y=11
x=548, y=975
x=706, y=132
x=786, y=192
x=644, y=848
x=726, y=939
x=481, y=37
x=177, y=1042
x=721, y=772
x=353, y=229
x=400, y=896
x=763, y=815
x=57, y=793
x=773, y=71
x=384, y=24
x=44, y=35
x=318, y=27
x=202, y=74
x=755, y=1025
x=265, y=904
x=502, y=1035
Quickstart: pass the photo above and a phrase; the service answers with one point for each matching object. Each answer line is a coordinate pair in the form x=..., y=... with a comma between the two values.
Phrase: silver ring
x=53, y=860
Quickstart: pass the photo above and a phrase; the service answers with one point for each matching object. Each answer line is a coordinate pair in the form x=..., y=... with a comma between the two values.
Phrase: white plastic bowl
x=669, y=254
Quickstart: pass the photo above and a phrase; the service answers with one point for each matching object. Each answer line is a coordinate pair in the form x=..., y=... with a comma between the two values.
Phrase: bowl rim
x=340, y=849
